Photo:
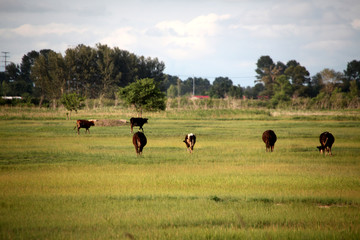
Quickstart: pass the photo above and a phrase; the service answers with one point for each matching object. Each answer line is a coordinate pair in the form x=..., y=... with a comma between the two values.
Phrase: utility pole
x=193, y=86
x=5, y=56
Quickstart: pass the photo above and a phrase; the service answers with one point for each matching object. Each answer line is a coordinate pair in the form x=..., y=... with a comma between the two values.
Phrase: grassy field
x=57, y=185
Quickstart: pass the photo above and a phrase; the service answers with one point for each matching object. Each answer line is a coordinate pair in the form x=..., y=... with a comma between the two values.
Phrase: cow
x=137, y=122
x=139, y=141
x=84, y=124
x=269, y=138
x=190, y=140
x=326, y=141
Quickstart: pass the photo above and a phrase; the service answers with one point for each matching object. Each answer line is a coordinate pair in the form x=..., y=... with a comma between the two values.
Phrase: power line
x=5, y=56
x=192, y=76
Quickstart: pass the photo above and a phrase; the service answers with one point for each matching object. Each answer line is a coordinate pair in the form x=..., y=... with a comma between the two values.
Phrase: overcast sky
x=194, y=38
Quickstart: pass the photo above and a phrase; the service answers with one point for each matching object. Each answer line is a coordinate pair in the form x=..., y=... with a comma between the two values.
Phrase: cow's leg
x=131, y=127
x=272, y=148
x=78, y=130
x=329, y=151
x=136, y=149
x=140, y=147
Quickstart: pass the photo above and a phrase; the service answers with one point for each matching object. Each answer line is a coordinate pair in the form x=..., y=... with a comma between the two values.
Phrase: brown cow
x=139, y=141
x=84, y=124
x=326, y=141
x=190, y=141
x=269, y=138
x=137, y=122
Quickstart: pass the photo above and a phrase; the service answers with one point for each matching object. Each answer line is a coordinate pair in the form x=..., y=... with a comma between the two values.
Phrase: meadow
x=55, y=184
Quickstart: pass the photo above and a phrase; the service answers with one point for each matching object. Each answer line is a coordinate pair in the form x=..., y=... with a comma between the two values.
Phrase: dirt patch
x=111, y=122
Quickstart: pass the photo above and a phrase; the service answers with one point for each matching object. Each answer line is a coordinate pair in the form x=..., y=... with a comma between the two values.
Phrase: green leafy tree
x=352, y=73
x=172, y=91
x=282, y=90
x=202, y=86
x=267, y=72
x=330, y=79
x=49, y=75
x=221, y=87
x=72, y=102
x=143, y=94
x=299, y=77
x=83, y=71
x=110, y=76
x=236, y=92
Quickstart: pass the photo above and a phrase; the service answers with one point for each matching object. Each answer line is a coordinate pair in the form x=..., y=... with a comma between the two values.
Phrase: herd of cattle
x=139, y=138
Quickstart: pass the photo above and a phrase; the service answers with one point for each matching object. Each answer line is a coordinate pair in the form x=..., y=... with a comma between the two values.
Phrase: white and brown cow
x=190, y=140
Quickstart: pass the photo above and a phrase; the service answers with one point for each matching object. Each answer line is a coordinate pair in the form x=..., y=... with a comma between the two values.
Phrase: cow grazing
x=139, y=141
x=269, y=138
x=326, y=141
x=137, y=122
x=84, y=124
x=190, y=141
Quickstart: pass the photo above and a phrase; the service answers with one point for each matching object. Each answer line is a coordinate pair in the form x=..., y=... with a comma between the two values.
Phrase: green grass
x=57, y=185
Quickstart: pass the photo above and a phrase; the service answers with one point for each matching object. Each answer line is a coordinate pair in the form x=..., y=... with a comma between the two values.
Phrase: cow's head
x=186, y=142
x=145, y=120
x=321, y=149
x=92, y=122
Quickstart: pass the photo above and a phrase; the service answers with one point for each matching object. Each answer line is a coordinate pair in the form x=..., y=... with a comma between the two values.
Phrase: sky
x=194, y=38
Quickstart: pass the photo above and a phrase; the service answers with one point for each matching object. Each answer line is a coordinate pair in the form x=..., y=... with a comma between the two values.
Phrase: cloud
x=356, y=24
x=28, y=30
x=269, y=31
x=121, y=37
x=189, y=39
x=326, y=45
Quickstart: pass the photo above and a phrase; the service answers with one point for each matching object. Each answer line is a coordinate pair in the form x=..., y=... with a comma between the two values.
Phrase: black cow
x=137, y=122
x=84, y=124
x=326, y=141
x=190, y=140
x=139, y=141
x=269, y=138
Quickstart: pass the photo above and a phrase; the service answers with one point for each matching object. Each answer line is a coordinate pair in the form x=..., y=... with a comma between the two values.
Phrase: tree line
x=98, y=72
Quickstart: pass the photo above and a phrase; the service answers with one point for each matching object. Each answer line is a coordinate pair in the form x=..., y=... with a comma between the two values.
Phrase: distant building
x=11, y=97
x=199, y=97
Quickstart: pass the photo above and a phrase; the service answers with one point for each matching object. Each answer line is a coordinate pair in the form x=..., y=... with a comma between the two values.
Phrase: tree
x=330, y=79
x=236, y=92
x=299, y=76
x=352, y=72
x=267, y=73
x=109, y=74
x=83, y=71
x=49, y=74
x=172, y=91
x=221, y=87
x=72, y=102
x=263, y=63
x=143, y=94
x=282, y=90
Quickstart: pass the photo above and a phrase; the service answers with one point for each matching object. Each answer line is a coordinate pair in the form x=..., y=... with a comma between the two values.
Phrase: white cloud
x=189, y=39
x=326, y=45
x=122, y=38
x=269, y=31
x=28, y=30
x=356, y=24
